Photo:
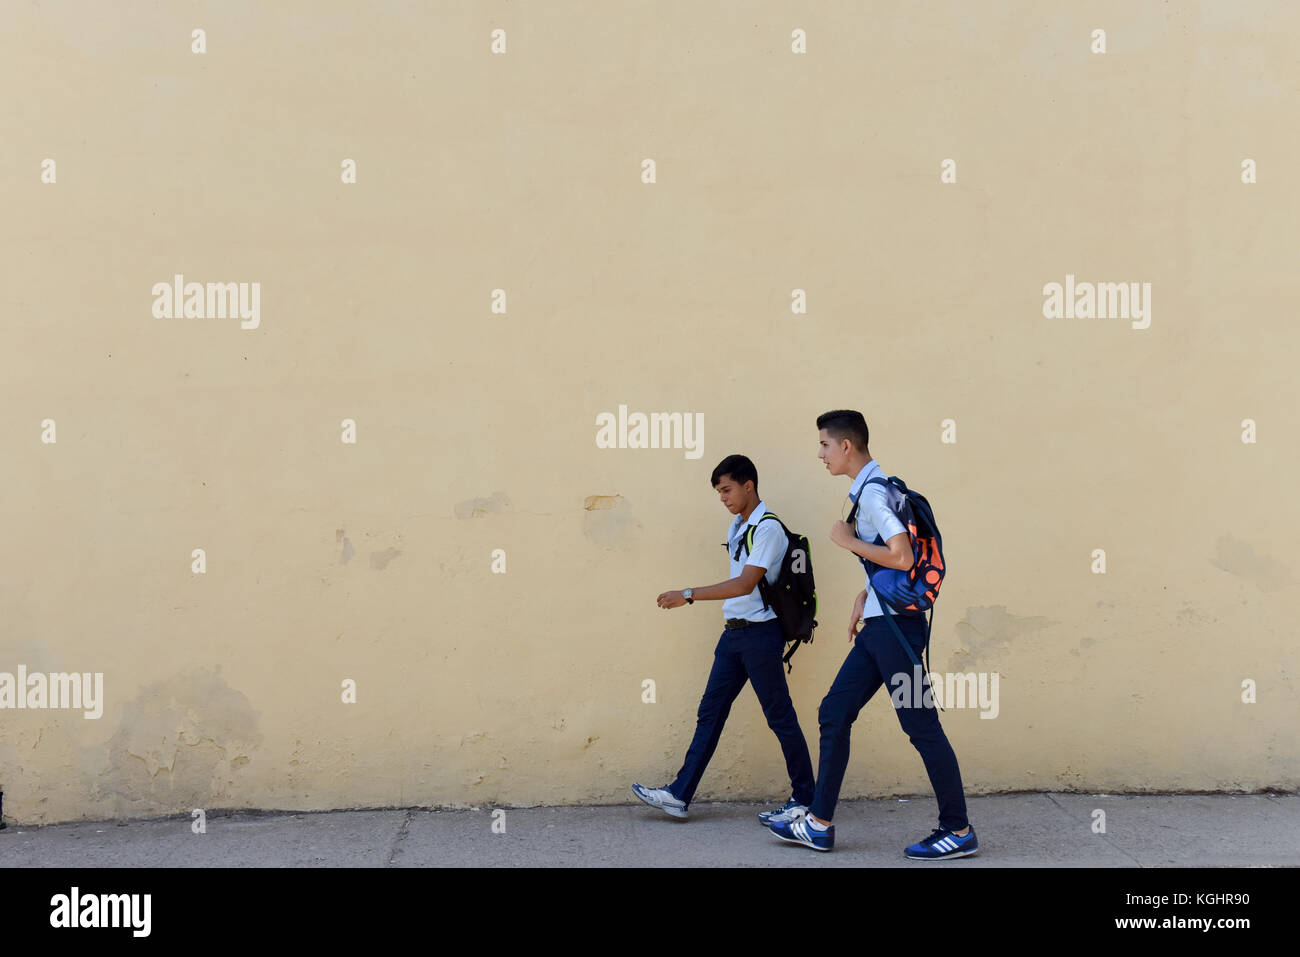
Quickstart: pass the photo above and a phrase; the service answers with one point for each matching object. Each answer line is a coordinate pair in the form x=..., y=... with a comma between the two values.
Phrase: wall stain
x=474, y=507
x=608, y=521
x=992, y=629
x=380, y=560
x=1238, y=558
x=180, y=744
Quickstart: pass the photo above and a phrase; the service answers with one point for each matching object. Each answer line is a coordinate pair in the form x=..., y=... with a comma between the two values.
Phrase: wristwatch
x=689, y=595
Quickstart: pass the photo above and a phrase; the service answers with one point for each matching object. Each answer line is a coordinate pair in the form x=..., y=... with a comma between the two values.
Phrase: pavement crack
x=396, y=849
x=1103, y=835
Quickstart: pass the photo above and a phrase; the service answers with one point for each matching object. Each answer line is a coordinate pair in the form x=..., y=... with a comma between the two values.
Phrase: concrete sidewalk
x=1034, y=830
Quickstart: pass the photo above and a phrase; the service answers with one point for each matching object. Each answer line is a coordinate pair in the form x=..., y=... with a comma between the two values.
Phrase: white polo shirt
x=770, y=543
x=874, y=517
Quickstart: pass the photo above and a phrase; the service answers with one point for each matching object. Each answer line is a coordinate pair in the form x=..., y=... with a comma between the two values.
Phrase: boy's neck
x=744, y=516
x=856, y=465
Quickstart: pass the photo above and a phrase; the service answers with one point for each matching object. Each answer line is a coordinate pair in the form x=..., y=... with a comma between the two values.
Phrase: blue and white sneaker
x=787, y=813
x=801, y=832
x=943, y=844
x=661, y=798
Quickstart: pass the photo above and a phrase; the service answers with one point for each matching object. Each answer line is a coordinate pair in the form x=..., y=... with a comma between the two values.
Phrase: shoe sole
x=946, y=857
x=679, y=813
x=795, y=840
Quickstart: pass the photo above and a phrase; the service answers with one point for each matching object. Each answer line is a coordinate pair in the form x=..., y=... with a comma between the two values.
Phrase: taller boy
x=876, y=657
x=749, y=649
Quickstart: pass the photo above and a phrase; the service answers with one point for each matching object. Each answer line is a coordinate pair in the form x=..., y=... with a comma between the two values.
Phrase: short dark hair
x=846, y=424
x=739, y=467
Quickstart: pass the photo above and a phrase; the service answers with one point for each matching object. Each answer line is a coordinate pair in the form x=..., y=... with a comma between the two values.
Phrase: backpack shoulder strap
x=853, y=512
x=749, y=535
x=747, y=543
x=874, y=480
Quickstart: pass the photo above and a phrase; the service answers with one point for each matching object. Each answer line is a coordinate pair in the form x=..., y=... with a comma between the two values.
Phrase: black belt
x=731, y=624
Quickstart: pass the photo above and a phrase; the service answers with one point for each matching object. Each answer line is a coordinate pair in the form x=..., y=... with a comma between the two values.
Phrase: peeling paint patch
x=608, y=521
x=1189, y=614
x=348, y=550
x=180, y=744
x=1238, y=558
x=474, y=507
x=380, y=560
x=991, y=629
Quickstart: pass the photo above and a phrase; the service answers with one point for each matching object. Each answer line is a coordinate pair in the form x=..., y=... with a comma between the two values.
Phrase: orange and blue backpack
x=913, y=591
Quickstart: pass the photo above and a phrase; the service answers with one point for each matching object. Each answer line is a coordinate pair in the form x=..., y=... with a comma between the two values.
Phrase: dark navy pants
x=874, y=660
x=752, y=654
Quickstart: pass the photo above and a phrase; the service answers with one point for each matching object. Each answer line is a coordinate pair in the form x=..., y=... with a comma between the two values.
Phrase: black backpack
x=793, y=596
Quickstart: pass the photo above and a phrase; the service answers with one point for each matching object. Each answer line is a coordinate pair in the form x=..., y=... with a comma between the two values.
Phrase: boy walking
x=749, y=649
x=876, y=657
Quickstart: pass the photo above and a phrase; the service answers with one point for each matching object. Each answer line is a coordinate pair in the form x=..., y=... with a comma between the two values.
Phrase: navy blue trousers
x=875, y=658
x=752, y=654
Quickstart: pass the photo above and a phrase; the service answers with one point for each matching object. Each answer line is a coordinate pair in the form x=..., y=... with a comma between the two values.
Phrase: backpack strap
x=747, y=542
x=876, y=480
x=898, y=633
x=867, y=564
x=853, y=512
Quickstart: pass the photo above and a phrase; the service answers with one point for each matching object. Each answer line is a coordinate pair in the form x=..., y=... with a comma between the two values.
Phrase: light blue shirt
x=770, y=544
x=875, y=517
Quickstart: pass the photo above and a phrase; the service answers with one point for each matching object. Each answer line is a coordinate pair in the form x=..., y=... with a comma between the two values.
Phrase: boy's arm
x=895, y=553
x=742, y=584
x=897, y=550
x=770, y=543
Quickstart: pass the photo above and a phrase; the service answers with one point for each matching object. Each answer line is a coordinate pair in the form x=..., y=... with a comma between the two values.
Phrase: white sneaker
x=661, y=798
x=787, y=813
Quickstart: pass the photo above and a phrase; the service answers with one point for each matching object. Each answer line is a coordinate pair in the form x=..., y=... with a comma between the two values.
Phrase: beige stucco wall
x=522, y=171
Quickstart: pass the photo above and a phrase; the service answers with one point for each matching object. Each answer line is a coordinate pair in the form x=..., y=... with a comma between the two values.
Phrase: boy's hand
x=855, y=623
x=671, y=599
x=842, y=534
